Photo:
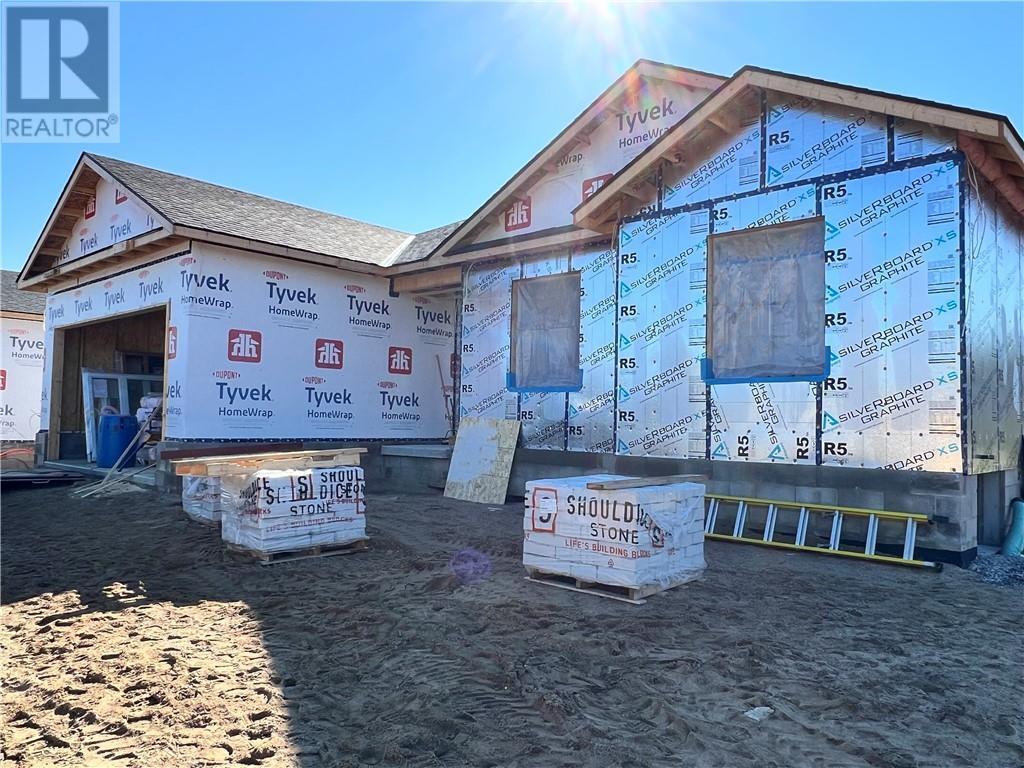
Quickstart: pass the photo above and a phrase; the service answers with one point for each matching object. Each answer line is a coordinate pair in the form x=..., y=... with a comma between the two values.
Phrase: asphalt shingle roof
x=424, y=243
x=13, y=300
x=189, y=202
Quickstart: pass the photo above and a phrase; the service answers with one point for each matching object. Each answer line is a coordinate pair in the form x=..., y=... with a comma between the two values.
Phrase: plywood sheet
x=482, y=460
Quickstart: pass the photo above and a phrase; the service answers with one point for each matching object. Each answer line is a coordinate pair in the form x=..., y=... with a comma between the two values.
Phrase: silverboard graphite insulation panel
x=911, y=385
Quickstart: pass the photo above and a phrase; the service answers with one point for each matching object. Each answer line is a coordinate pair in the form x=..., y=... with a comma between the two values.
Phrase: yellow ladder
x=743, y=509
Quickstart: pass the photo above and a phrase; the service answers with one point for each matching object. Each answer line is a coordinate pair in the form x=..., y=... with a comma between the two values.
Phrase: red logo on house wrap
x=90, y=208
x=329, y=353
x=274, y=274
x=385, y=384
x=3, y=379
x=352, y=288
x=226, y=374
x=544, y=509
x=172, y=342
x=519, y=215
x=592, y=186
x=119, y=196
x=245, y=346
x=313, y=380
x=400, y=360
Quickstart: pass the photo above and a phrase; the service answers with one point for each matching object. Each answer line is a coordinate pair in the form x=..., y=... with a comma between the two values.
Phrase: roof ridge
x=101, y=158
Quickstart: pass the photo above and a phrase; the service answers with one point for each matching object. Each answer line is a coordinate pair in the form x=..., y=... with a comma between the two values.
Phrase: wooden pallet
x=632, y=595
x=218, y=466
x=327, y=550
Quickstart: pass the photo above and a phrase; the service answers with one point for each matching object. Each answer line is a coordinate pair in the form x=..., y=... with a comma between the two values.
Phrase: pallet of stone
x=305, y=512
x=200, y=498
x=623, y=536
x=245, y=463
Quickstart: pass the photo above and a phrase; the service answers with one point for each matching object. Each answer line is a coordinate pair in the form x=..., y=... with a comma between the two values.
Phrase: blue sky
x=411, y=115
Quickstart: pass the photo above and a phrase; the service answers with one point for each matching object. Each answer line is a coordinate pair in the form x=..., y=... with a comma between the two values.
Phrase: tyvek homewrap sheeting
x=112, y=216
x=21, y=377
x=656, y=107
x=157, y=284
x=994, y=276
x=264, y=348
x=768, y=302
x=294, y=350
x=892, y=320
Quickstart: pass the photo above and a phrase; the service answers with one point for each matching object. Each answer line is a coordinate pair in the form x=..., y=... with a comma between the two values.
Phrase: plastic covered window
x=545, y=355
x=766, y=303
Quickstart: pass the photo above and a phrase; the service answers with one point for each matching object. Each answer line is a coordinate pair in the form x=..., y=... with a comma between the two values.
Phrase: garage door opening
x=105, y=367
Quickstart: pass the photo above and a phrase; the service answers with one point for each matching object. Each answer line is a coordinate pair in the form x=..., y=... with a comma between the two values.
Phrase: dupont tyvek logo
x=290, y=304
x=372, y=316
x=3, y=379
x=60, y=73
x=329, y=353
x=245, y=346
x=150, y=289
x=328, y=405
x=400, y=360
x=120, y=196
x=172, y=342
x=519, y=215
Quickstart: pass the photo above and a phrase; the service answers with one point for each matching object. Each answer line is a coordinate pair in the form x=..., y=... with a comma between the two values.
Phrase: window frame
x=707, y=362
x=511, y=383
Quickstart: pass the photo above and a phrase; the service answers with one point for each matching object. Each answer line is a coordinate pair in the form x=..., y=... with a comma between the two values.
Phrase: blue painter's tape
x=510, y=385
x=707, y=373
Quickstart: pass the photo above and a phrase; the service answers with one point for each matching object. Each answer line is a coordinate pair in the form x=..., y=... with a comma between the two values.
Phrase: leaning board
x=482, y=460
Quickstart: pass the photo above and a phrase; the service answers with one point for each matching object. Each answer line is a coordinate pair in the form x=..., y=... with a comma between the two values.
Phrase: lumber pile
x=288, y=510
x=621, y=533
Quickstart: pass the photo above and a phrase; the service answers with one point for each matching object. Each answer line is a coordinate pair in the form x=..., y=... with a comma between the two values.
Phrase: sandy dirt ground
x=129, y=639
